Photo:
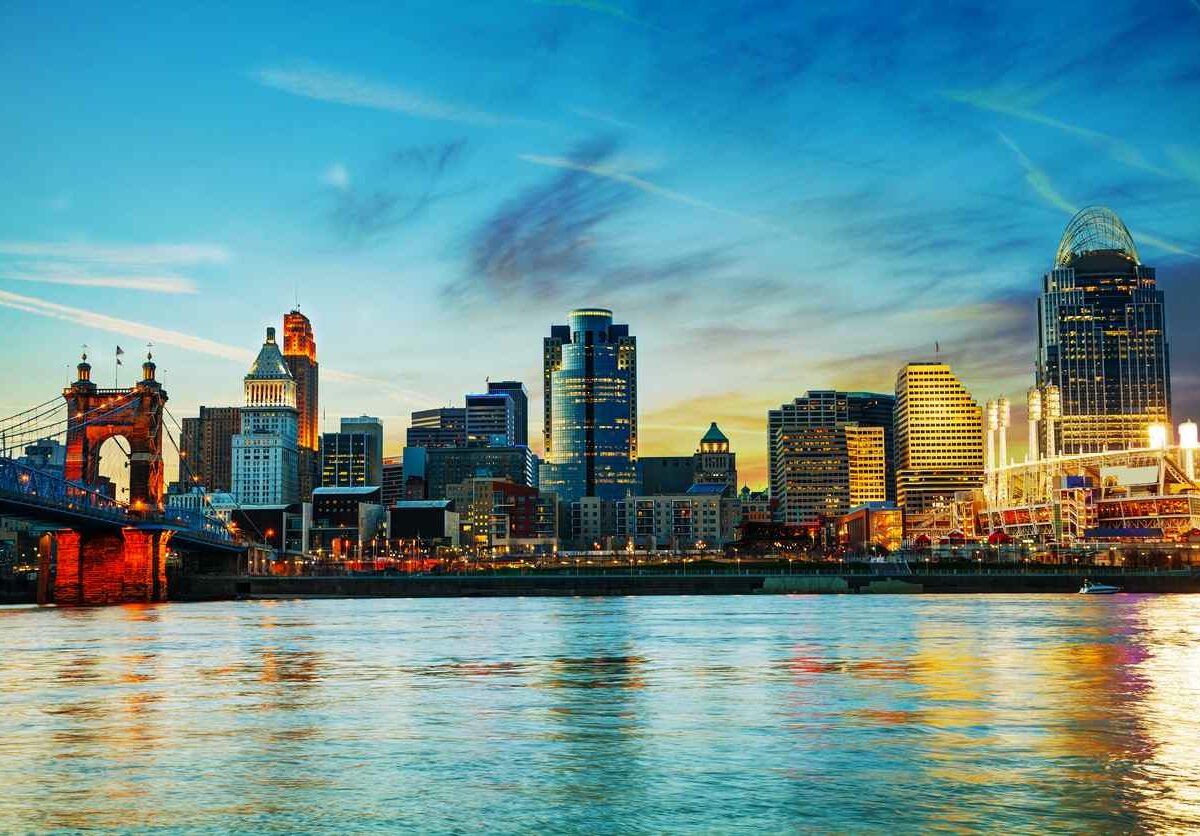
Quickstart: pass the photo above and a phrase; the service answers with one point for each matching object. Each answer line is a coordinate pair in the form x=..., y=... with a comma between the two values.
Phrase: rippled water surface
x=1027, y=713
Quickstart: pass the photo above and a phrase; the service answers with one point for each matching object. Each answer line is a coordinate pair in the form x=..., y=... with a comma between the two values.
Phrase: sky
x=774, y=196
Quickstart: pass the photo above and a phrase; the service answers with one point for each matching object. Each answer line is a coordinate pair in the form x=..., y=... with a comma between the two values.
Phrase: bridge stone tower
x=98, y=565
x=95, y=415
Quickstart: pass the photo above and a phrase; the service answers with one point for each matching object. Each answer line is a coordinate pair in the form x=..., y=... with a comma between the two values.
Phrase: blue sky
x=775, y=196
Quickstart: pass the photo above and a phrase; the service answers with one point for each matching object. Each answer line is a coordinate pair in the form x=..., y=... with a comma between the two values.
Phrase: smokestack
x=1034, y=404
x=992, y=423
x=1052, y=412
x=1005, y=409
x=1189, y=442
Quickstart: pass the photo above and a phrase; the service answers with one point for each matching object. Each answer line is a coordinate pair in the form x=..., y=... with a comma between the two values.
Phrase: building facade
x=939, y=438
x=300, y=355
x=491, y=420
x=265, y=457
x=446, y=466
x=590, y=423
x=393, y=480
x=345, y=459
x=1102, y=339
x=515, y=389
x=823, y=471
x=206, y=444
x=442, y=427
x=714, y=463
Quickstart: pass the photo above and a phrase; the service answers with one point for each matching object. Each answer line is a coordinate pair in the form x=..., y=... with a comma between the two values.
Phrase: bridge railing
x=198, y=522
x=42, y=488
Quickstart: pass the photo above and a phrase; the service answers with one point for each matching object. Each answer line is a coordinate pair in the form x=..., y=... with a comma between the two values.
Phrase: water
x=754, y=713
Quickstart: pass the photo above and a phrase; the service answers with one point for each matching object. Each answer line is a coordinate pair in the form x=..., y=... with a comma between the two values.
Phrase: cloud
x=998, y=102
x=607, y=9
x=392, y=192
x=145, y=254
x=102, y=322
x=355, y=91
x=614, y=173
x=1040, y=182
x=149, y=284
x=337, y=176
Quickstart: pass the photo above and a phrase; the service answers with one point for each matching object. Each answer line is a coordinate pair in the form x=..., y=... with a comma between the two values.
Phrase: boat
x=1090, y=588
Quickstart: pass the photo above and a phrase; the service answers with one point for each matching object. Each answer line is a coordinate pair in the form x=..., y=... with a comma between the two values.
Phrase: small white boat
x=1090, y=588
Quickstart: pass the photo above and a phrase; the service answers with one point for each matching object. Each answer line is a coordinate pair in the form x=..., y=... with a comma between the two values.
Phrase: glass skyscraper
x=590, y=397
x=1102, y=338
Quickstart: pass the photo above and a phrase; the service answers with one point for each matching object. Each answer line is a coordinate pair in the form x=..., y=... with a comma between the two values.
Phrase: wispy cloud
x=1041, y=183
x=1117, y=148
x=355, y=91
x=337, y=176
x=613, y=173
x=126, y=327
x=149, y=284
x=145, y=254
x=606, y=9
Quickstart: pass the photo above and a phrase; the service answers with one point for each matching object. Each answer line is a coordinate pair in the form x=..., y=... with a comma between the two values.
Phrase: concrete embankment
x=211, y=587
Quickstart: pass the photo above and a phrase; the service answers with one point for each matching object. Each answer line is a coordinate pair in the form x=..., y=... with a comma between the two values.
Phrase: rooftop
x=1095, y=229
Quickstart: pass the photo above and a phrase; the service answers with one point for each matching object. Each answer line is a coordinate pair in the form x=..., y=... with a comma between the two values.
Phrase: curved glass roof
x=1092, y=229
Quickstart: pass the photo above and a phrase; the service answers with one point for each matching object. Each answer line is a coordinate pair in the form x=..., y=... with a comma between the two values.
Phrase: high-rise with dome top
x=1102, y=339
x=265, y=467
x=300, y=354
x=590, y=391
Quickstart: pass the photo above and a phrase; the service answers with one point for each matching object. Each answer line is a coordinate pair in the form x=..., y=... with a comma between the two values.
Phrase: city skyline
x=758, y=244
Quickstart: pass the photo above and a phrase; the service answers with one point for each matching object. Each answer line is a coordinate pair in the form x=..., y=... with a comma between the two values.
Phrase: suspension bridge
x=95, y=548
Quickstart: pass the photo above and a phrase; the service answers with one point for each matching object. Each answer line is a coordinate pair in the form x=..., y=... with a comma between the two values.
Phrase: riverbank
x=214, y=587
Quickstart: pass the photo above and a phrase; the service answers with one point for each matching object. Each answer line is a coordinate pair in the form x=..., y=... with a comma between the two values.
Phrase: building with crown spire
x=265, y=454
x=300, y=354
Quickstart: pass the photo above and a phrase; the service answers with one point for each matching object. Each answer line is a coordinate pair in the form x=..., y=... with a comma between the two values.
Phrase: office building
x=347, y=523
x=442, y=427
x=515, y=389
x=206, y=447
x=451, y=465
x=714, y=462
x=393, y=480
x=829, y=408
x=497, y=516
x=590, y=405
x=1102, y=340
x=373, y=428
x=662, y=475
x=300, y=355
x=821, y=471
x=491, y=420
x=265, y=458
x=939, y=438
x=345, y=459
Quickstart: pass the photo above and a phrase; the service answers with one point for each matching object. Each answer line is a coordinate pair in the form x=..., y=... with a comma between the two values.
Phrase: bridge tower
x=95, y=415
x=129, y=565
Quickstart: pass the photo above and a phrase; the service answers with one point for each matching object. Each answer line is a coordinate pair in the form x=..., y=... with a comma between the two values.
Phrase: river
x=714, y=714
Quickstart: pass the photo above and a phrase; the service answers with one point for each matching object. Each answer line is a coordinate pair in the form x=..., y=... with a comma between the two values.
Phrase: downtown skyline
x=433, y=218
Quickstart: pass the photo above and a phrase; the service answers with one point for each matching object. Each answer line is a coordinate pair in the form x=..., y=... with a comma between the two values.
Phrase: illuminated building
x=393, y=480
x=265, y=457
x=347, y=523
x=373, y=429
x=590, y=424
x=451, y=465
x=491, y=419
x=442, y=427
x=345, y=459
x=872, y=526
x=825, y=408
x=1102, y=340
x=515, y=389
x=496, y=516
x=206, y=445
x=821, y=471
x=714, y=463
x=300, y=354
x=939, y=438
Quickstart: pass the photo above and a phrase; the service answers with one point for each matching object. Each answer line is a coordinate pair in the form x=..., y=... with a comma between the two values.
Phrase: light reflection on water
x=725, y=713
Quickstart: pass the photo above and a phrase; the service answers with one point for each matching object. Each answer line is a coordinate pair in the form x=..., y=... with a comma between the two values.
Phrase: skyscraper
x=373, y=429
x=300, y=354
x=206, y=443
x=442, y=427
x=491, y=419
x=516, y=390
x=829, y=408
x=939, y=437
x=1102, y=339
x=590, y=401
x=825, y=469
x=265, y=470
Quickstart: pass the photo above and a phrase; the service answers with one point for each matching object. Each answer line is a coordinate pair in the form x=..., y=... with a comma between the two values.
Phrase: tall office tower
x=345, y=459
x=393, y=480
x=713, y=463
x=830, y=408
x=824, y=470
x=300, y=354
x=265, y=456
x=443, y=427
x=590, y=424
x=939, y=437
x=491, y=420
x=1102, y=338
x=516, y=390
x=373, y=429
x=206, y=443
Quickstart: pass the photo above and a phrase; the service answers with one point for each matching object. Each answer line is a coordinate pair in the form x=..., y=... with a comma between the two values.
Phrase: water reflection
x=711, y=714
